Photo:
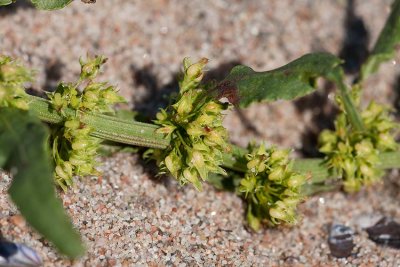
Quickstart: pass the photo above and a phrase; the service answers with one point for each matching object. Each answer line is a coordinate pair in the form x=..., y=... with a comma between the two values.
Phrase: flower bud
x=367, y=171
x=3, y=93
x=61, y=173
x=280, y=156
x=252, y=164
x=72, y=91
x=67, y=167
x=205, y=119
x=172, y=162
x=72, y=124
x=9, y=72
x=57, y=100
x=186, y=63
x=364, y=148
x=253, y=221
x=91, y=96
x=276, y=174
x=191, y=177
x=296, y=180
x=351, y=185
x=384, y=125
x=197, y=159
x=278, y=213
x=111, y=96
x=166, y=129
x=89, y=105
x=20, y=103
x=90, y=68
x=373, y=110
x=216, y=137
x=248, y=184
x=261, y=151
x=184, y=105
x=80, y=144
x=327, y=148
x=290, y=193
x=76, y=161
x=327, y=136
x=85, y=169
x=213, y=107
x=261, y=166
x=82, y=132
x=344, y=148
x=387, y=141
x=201, y=147
x=291, y=201
x=91, y=150
x=195, y=71
x=74, y=102
x=195, y=130
x=349, y=166
x=161, y=116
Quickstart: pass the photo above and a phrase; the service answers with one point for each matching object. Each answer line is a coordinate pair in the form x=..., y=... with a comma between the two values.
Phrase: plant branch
x=143, y=134
x=349, y=107
x=105, y=126
x=313, y=166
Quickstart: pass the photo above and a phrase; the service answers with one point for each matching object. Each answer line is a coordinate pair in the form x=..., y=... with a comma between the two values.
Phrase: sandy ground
x=127, y=217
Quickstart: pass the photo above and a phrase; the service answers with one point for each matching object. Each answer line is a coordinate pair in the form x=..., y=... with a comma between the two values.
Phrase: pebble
x=365, y=220
x=18, y=221
x=341, y=241
x=385, y=232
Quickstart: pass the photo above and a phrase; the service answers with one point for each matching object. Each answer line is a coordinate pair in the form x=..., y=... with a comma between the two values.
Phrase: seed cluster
x=194, y=125
x=353, y=155
x=270, y=187
x=12, y=78
x=74, y=150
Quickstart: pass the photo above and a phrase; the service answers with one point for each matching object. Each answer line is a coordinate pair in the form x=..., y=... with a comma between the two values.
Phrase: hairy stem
x=314, y=167
x=354, y=116
x=143, y=134
x=104, y=126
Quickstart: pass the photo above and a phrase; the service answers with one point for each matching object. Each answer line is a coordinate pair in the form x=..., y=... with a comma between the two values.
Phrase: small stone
x=385, y=232
x=340, y=241
x=18, y=221
x=365, y=220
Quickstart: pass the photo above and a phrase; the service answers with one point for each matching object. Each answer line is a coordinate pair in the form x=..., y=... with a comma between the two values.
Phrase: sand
x=127, y=217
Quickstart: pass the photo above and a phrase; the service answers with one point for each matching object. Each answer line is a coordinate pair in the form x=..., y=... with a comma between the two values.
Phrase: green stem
x=314, y=167
x=104, y=126
x=351, y=110
x=143, y=134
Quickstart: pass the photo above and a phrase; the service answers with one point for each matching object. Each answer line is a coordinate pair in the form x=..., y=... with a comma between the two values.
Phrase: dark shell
x=385, y=232
x=7, y=249
x=340, y=241
x=18, y=255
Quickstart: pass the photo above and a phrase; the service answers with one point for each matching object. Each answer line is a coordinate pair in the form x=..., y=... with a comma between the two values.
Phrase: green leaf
x=24, y=152
x=244, y=86
x=6, y=2
x=50, y=4
x=385, y=46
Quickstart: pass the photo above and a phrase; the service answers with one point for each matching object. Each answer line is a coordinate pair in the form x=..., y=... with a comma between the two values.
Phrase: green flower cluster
x=12, y=78
x=270, y=187
x=194, y=125
x=354, y=155
x=74, y=150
